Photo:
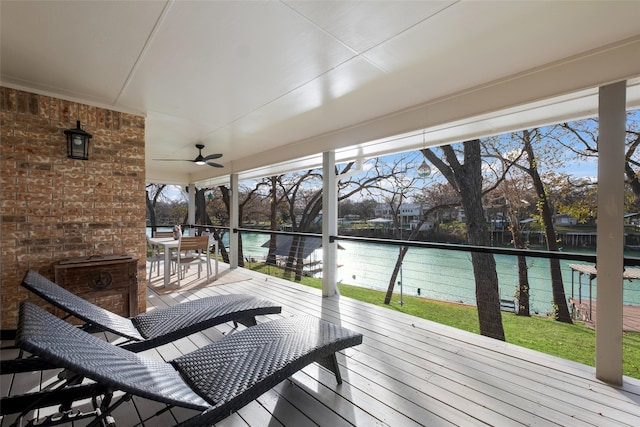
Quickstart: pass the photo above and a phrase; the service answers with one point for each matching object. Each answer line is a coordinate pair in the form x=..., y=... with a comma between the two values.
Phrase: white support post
x=329, y=224
x=233, y=222
x=610, y=236
x=191, y=207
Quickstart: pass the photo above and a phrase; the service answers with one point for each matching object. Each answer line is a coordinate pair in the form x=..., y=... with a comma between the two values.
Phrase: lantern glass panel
x=77, y=143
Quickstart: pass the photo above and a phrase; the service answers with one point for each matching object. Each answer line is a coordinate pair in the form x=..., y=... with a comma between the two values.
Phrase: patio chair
x=163, y=234
x=193, y=251
x=159, y=326
x=154, y=258
x=215, y=380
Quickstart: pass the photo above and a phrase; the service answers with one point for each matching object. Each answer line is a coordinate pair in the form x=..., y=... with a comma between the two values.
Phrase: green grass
x=575, y=342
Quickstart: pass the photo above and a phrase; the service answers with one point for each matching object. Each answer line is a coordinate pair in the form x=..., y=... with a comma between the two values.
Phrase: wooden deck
x=407, y=372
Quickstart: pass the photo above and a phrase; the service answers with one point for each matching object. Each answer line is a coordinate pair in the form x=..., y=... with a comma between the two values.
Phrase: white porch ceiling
x=276, y=81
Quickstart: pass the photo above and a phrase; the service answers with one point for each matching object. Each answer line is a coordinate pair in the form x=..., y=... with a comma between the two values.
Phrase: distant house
x=408, y=214
x=564, y=220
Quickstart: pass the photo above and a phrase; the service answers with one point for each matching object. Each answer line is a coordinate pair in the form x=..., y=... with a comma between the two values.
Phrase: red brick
x=42, y=188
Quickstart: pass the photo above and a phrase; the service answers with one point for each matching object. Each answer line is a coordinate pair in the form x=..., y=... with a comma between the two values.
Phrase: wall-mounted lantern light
x=77, y=143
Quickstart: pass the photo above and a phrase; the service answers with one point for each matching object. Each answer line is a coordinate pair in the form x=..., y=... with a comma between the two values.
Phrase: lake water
x=443, y=274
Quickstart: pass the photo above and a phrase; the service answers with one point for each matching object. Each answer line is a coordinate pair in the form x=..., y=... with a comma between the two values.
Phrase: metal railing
x=443, y=270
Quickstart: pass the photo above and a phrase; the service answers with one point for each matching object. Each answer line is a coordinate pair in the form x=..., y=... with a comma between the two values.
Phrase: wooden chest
x=109, y=281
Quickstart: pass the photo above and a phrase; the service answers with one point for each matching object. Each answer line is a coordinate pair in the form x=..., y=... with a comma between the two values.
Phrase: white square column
x=191, y=207
x=329, y=224
x=610, y=238
x=233, y=221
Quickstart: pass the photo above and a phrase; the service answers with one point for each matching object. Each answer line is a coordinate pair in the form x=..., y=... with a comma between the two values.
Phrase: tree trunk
x=152, y=216
x=293, y=251
x=226, y=198
x=299, y=260
x=467, y=180
x=394, y=274
x=561, y=307
x=223, y=250
x=484, y=270
x=151, y=207
x=201, y=215
x=524, y=308
x=402, y=253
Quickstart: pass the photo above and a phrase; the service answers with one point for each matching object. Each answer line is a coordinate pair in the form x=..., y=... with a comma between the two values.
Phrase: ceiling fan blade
x=212, y=156
x=200, y=159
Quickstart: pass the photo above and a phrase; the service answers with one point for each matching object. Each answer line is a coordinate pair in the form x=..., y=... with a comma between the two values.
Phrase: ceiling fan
x=200, y=159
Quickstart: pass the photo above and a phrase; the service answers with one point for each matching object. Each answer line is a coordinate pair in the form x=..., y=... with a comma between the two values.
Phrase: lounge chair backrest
x=79, y=307
x=53, y=339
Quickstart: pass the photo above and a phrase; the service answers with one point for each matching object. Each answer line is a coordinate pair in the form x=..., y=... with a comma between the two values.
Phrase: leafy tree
x=467, y=179
x=576, y=197
x=364, y=209
x=531, y=164
x=545, y=210
x=516, y=193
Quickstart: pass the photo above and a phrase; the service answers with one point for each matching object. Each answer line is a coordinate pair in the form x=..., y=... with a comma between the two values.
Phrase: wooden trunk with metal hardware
x=109, y=281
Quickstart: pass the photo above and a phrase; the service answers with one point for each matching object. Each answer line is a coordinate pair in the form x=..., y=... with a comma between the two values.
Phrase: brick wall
x=53, y=207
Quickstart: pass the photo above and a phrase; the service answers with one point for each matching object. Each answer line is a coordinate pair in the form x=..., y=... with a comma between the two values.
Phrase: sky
x=585, y=168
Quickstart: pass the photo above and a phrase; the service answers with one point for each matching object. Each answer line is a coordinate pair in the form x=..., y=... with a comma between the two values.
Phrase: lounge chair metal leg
x=41, y=399
x=248, y=322
x=30, y=364
x=104, y=417
x=331, y=363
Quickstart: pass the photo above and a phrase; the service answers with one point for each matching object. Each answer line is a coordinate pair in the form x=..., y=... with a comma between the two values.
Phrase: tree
x=302, y=193
x=530, y=165
x=153, y=194
x=301, y=196
x=467, y=179
x=201, y=215
x=529, y=161
x=246, y=196
x=516, y=192
x=546, y=215
x=398, y=187
x=404, y=249
x=576, y=197
x=273, y=219
x=581, y=138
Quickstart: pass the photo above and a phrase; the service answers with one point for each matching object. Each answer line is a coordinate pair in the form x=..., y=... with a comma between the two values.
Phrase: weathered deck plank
x=408, y=371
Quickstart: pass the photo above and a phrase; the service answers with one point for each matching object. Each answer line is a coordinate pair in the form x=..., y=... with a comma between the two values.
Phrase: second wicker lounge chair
x=157, y=327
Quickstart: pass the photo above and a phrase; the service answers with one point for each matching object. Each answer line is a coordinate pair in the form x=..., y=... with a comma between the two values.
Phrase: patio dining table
x=169, y=244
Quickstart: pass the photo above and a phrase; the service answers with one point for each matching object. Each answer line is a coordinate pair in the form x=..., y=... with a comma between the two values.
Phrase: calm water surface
x=446, y=275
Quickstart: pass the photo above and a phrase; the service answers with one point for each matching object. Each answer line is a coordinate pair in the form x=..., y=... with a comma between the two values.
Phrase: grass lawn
x=574, y=342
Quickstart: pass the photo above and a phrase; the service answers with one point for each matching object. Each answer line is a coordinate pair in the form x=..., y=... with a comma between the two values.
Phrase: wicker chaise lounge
x=215, y=380
x=157, y=327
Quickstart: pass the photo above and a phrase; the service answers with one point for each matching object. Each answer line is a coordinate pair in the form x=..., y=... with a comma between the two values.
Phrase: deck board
x=407, y=371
